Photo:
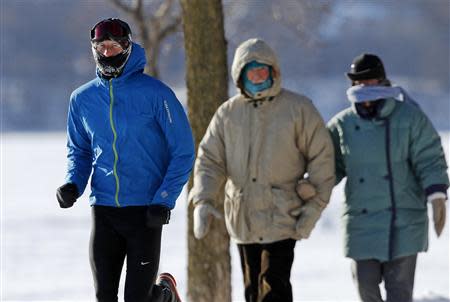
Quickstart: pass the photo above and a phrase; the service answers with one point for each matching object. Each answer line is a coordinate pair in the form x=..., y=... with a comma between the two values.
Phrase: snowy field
x=44, y=249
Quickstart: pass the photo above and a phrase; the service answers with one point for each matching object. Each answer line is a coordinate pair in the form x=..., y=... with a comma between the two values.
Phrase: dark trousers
x=118, y=233
x=398, y=277
x=267, y=270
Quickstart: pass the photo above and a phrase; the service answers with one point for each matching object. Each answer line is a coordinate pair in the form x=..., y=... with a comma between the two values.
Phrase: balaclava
x=114, y=30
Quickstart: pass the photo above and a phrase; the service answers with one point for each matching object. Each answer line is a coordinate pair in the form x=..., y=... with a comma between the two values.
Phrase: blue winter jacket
x=135, y=136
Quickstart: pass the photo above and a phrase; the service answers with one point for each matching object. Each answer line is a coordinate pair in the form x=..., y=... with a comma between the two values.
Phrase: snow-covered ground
x=44, y=249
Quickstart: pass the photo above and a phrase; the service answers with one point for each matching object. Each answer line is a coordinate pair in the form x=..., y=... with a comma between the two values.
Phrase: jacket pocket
x=235, y=221
x=286, y=207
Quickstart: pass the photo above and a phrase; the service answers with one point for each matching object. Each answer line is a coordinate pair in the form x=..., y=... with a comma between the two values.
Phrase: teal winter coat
x=391, y=163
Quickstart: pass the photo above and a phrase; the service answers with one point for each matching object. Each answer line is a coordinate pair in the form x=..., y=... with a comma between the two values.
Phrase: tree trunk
x=209, y=268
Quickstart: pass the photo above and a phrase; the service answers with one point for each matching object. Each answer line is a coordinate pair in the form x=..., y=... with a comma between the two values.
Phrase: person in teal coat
x=394, y=163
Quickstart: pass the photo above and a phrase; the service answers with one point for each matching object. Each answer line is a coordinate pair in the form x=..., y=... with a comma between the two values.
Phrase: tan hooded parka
x=260, y=148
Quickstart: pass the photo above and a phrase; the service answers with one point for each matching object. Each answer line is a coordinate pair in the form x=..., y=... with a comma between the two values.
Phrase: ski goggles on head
x=111, y=28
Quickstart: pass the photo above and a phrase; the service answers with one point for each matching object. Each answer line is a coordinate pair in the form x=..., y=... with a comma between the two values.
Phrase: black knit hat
x=366, y=66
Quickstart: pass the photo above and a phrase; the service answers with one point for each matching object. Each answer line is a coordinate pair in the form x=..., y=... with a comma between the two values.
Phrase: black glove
x=157, y=215
x=67, y=194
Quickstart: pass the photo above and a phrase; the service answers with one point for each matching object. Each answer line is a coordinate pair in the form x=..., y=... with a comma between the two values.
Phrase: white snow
x=44, y=249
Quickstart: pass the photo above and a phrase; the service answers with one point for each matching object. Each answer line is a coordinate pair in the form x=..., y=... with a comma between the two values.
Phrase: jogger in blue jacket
x=132, y=133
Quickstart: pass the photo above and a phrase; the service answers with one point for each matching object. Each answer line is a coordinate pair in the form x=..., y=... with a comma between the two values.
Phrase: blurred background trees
x=46, y=50
x=45, y=54
x=155, y=22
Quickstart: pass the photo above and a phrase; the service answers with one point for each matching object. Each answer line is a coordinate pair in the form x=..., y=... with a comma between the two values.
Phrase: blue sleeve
x=176, y=129
x=79, y=154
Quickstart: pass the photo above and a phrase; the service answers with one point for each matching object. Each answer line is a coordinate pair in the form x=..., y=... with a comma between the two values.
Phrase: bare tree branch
x=138, y=6
x=122, y=6
x=164, y=9
x=152, y=28
x=136, y=12
x=170, y=28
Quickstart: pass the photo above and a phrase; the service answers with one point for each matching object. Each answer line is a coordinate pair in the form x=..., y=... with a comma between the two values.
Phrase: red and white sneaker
x=167, y=280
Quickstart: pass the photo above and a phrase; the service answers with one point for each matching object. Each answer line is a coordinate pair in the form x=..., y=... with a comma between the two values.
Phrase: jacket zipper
x=116, y=155
x=391, y=190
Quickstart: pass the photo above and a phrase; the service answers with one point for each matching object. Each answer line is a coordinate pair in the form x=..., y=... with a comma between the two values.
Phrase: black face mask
x=111, y=66
x=370, y=112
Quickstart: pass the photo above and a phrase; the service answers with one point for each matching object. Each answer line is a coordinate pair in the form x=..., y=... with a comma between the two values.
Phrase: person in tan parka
x=258, y=148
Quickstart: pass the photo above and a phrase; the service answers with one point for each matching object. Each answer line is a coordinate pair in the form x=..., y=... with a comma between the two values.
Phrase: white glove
x=438, y=214
x=203, y=214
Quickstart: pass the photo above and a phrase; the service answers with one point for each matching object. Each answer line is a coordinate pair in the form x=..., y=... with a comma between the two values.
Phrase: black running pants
x=119, y=233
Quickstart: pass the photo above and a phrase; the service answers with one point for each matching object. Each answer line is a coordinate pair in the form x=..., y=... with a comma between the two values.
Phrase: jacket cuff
x=78, y=184
x=442, y=188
